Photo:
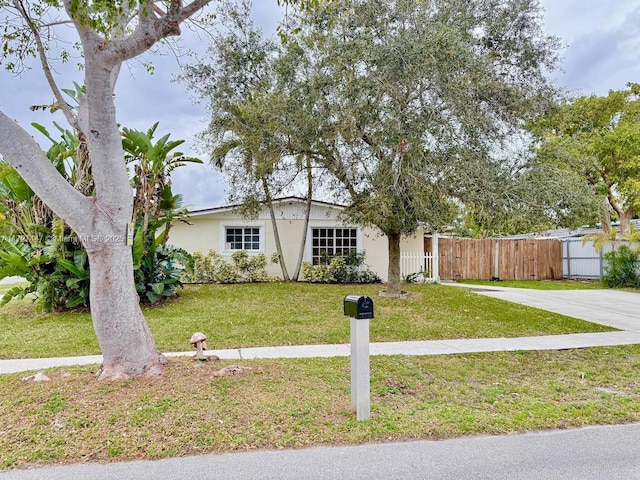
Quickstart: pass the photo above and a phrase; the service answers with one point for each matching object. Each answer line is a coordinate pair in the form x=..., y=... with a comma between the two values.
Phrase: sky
x=601, y=53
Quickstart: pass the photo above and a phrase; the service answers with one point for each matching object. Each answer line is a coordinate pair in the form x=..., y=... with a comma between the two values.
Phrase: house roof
x=291, y=199
x=562, y=233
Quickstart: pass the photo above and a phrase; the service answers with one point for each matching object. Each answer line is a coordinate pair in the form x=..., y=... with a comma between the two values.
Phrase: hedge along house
x=223, y=229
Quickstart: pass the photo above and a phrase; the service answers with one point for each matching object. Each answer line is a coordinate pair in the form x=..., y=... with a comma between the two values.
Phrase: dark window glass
x=243, y=238
x=334, y=242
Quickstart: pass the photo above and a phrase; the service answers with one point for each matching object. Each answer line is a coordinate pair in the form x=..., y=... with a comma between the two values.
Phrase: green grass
x=540, y=284
x=269, y=314
x=298, y=403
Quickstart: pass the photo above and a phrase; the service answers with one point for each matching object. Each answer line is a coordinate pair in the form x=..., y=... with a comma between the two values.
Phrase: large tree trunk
x=127, y=346
x=625, y=221
x=624, y=216
x=393, y=277
x=128, y=349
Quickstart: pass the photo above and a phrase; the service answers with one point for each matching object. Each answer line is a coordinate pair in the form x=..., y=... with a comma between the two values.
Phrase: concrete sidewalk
x=430, y=347
x=613, y=308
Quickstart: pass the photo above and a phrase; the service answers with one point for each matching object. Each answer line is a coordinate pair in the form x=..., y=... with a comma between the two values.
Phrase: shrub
x=160, y=273
x=41, y=248
x=57, y=272
x=214, y=268
x=250, y=269
x=421, y=276
x=347, y=269
x=621, y=268
x=316, y=273
x=158, y=267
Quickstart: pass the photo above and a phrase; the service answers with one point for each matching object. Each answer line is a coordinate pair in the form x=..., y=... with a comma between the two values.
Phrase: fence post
x=568, y=245
x=496, y=260
x=435, y=274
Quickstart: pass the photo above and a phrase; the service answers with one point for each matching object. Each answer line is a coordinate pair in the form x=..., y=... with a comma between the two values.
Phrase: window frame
x=311, y=257
x=225, y=247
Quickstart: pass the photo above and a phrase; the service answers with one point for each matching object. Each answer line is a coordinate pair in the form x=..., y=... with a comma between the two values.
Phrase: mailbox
x=358, y=306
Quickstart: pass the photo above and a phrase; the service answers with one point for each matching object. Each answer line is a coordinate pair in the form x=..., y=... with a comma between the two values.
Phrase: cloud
x=201, y=186
x=601, y=59
x=142, y=99
x=603, y=39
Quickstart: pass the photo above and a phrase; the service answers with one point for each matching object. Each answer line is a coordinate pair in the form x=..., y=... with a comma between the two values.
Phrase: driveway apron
x=614, y=308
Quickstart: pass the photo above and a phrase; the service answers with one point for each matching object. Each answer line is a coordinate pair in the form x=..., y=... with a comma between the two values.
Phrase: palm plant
x=40, y=247
x=153, y=164
x=157, y=266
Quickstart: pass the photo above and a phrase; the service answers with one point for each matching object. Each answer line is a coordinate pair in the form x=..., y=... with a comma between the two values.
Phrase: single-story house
x=222, y=229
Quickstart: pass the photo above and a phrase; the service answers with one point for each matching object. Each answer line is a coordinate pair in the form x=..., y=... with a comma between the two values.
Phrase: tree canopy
x=598, y=138
x=412, y=107
x=412, y=113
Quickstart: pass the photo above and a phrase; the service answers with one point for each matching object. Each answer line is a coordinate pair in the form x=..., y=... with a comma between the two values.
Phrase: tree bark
x=127, y=346
x=128, y=349
x=624, y=216
x=276, y=233
x=625, y=221
x=393, y=277
x=307, y=214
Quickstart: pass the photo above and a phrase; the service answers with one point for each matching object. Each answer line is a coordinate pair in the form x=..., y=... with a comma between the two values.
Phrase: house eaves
x=277, y=201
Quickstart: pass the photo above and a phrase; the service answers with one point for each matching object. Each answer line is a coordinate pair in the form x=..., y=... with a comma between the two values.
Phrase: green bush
x=316, y=273
x=214, y=268
x=347, y=269
x=621, y=268
x=57, y=271
x=41, y=248
x=211, y=268
x=421, y=276
x=160, y=273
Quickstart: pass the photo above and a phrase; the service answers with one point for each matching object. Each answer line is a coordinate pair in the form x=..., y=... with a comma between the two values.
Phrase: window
x=242, y=238
x=331, y=242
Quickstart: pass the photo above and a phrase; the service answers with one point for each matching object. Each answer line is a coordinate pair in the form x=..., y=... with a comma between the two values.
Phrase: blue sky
x=602, y=45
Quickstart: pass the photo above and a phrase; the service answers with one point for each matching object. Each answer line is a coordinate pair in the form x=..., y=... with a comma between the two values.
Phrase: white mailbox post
x=360, y=310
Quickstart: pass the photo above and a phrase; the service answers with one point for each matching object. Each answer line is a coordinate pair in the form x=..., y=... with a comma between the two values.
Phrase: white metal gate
x=582, y=260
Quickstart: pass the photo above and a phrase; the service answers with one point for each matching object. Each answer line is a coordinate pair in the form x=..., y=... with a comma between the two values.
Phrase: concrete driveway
x=613, y=308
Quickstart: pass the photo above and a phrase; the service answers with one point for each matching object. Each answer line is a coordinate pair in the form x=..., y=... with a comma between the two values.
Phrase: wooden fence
x=504, y=259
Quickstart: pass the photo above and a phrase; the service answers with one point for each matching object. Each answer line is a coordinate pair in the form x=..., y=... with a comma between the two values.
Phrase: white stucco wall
x=206, y=232
x=201, y=235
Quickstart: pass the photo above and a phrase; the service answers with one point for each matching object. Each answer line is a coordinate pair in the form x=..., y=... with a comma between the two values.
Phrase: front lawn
x=270, y=314
x=299, y=403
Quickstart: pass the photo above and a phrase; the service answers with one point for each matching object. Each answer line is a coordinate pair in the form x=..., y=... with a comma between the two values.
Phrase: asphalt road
x=593, y=453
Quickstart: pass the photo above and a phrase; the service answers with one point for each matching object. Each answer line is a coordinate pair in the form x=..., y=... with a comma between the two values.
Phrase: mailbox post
x=360, y=310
